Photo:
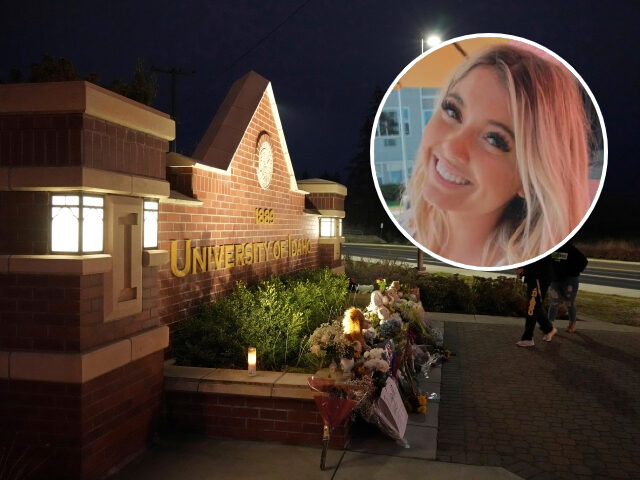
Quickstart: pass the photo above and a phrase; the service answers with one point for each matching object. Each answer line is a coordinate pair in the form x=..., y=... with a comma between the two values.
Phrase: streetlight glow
x=430, y=41
x=433, y=40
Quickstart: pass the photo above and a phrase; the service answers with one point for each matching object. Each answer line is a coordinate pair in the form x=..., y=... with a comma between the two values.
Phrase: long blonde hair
x=551, y=146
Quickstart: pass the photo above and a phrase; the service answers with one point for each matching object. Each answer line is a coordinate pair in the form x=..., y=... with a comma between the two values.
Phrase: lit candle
x=252, y=361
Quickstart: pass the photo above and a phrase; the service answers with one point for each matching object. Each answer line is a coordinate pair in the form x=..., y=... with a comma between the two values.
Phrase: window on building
x=428, y=100
x=339, y=227
x=388, y=123
x=77, y=223
x=150, y=226
x=396, y=176
x=405, y=120
x=327, y=227
x=390, y=142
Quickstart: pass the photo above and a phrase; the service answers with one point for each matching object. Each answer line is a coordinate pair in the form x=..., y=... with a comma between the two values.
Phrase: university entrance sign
x=210, y=258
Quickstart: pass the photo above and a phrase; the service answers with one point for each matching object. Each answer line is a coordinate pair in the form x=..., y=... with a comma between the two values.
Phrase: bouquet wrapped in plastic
x=334, y=401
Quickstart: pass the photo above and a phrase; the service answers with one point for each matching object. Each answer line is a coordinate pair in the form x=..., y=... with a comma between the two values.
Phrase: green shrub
x=445, y=293
x=392, y=191
x=366, y=273
x=441, y=293
x=277, y=316
x=499, y=296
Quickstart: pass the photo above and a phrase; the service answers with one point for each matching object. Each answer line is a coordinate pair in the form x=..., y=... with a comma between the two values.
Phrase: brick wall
x=79, y=139
x=82, y=430
x=24, y=223
x=227, y=216
x=325, y=201
x=325, y=255
x=258, y=418
x=79, y=430
x=65, y=312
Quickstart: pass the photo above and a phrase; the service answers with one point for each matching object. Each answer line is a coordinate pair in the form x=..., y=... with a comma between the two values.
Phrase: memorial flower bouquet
x=329, y=344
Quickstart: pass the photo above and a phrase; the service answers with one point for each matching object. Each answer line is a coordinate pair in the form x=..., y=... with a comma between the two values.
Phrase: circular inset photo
x=488, y=151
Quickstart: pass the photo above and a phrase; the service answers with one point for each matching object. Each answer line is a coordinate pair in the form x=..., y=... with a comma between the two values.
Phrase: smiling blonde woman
x=501, y=175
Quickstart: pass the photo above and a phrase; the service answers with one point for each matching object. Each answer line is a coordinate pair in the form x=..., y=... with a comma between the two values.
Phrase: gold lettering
x=248, y=252
x=228, y=256
x=174, y=259
x=210, y=259
x=219, y=257
x=239, y=254
x=199, y=260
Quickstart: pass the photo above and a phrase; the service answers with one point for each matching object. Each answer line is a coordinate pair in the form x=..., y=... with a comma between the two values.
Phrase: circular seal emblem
x=265, y=161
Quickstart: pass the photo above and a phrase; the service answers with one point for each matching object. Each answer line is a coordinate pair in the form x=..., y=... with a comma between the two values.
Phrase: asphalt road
x=606, y=273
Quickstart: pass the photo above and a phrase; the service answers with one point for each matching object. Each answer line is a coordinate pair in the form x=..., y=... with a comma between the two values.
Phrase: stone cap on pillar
x=324, y=196
x=88, y=98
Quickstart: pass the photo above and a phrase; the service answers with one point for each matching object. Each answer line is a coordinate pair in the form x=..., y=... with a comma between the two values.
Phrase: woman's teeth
x=448, y=176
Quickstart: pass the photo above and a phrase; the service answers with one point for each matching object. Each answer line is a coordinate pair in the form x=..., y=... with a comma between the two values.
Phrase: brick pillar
x=326, y=198
x=81, y=346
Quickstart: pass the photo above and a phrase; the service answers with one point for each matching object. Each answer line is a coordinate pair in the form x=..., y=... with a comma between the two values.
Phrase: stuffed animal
x=353, y=324
x=393, y=292
x=376, y=301
x=364, y=288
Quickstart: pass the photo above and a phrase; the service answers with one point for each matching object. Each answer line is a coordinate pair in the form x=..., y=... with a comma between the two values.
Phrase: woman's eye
x=451, y=110
x=498, y=141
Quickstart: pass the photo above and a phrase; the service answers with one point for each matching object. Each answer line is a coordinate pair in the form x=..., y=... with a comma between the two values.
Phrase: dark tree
x=364, y=211
x=142, y=88
x=144, y=85
x=119, y=86
x=52, y=69
x=93, y=78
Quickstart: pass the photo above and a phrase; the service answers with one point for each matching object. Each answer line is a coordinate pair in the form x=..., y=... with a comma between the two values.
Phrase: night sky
x=326, y=59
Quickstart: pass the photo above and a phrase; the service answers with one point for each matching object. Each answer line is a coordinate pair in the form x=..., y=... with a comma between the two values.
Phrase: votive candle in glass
x=251, y=360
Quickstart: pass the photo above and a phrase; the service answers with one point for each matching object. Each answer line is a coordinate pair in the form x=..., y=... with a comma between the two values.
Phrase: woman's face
x=469, y=149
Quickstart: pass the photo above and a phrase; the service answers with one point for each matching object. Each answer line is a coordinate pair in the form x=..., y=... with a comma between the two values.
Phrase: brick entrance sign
x=236, y=211
x=107, y=241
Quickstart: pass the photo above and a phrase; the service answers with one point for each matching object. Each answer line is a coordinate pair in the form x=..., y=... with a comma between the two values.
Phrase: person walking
x=537, y=276
x=567, y=264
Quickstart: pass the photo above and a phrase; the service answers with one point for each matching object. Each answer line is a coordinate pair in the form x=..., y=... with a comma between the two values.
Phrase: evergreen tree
x=364, y=210
x=143, y=86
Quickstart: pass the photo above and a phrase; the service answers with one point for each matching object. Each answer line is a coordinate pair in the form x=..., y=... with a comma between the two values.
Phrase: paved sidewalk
x=565, y=409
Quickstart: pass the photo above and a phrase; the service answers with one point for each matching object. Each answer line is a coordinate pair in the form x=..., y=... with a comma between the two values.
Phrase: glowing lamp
x=251, y=361
x=433, y=40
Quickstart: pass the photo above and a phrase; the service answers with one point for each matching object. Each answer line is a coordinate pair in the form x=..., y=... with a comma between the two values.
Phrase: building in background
x=406, y=110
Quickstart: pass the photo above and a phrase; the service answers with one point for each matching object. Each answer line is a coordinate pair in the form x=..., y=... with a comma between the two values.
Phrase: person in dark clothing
x=567, y=264
x=537, y=276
